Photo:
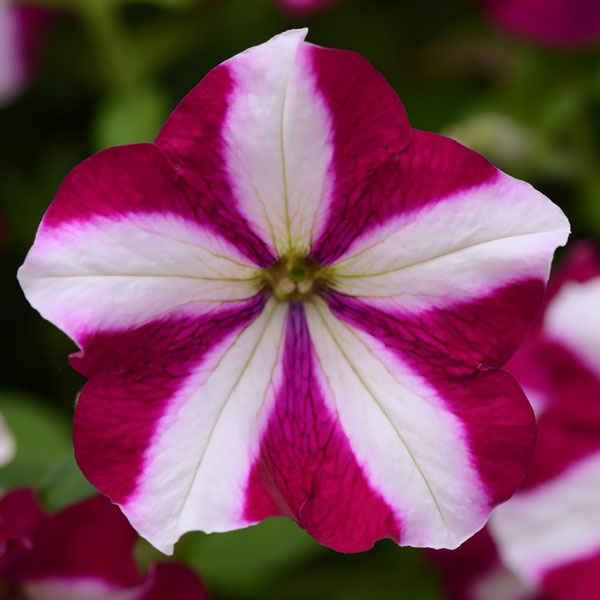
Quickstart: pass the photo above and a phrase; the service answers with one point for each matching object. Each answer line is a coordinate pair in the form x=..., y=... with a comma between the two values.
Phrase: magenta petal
x=134, y=375
x=192, y=137
x=141, y=179
x=306, y=468
x=20, y=512
x=538, y=364
x=475, y=572
x=569, y=429
x=554, y=22
x=392, y=180
x=553, y=520
x=281, y=127
x=579, y=580
x=89, y=540
x=172, y=580
x=458, y=352
x=22, y=32
x=461, y=568
x=304, y=8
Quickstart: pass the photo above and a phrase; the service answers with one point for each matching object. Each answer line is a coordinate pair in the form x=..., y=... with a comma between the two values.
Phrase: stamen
x=294, y=278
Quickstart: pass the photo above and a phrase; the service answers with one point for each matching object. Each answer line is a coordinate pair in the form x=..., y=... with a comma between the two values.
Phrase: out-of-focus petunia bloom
x=549, y=533
x=21, y=28
x=292, y=303
x=475, y=572
x=304, y=8
x=7, y=443
x=545, y=542
x=563, y=23
x=83, y=552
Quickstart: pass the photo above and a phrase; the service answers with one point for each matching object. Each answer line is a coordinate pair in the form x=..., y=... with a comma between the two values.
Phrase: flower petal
x=462, y=431
x=450, y=239
x=121, y=245
x=172, y=580
x=306, y=468
x=75, y=589
x=554, y=22
x=552, y=524
x=88, y=541
x=277, y=124
x=540, y=365
x=19, y=513
x=578, y=579
x=554, y=521
x=303, y=8
x=564, y=323
x=13, y=67
x=83, y=552
x=399, y=185
x=167, y=424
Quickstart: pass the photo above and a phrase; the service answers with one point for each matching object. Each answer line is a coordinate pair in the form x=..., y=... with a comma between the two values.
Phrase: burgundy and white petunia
x=561, y=23
x=84, y=552
x=545, y=542
x=292, y=303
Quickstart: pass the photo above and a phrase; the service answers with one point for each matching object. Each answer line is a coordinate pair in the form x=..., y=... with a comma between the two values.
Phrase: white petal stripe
x=104, y=274
x=457, y=249
x=552, y=524
x=397, y=428
x=200, y=459
x=573, y=318
x=278, y=140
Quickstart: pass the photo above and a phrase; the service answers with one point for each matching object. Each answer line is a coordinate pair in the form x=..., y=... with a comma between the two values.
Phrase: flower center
x=294, y=278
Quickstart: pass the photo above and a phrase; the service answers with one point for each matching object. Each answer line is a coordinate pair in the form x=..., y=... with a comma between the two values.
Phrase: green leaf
x=130, y=118
x=42, y=435
x=243, y=559
x=63, y=485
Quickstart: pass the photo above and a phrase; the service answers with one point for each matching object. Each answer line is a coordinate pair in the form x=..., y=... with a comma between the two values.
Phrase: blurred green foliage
x=110, y=72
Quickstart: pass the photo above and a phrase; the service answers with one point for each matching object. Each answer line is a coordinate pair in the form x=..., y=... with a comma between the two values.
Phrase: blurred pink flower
x=553, y=22
x=304, y=8
x=293, y=303
x=22, y=29
x=545, y=541
x=83, y=552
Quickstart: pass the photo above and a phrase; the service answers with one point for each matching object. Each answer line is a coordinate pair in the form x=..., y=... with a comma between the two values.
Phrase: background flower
x=545, y=542
x=83, y=551
x=22, y=28
x=569, y=23
x=301, y=8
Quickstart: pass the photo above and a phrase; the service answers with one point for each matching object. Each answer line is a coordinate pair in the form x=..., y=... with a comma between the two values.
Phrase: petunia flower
x=561, y=23
x=292, y=303
x=83, y=552
x=21, y=28
x=544, y=544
